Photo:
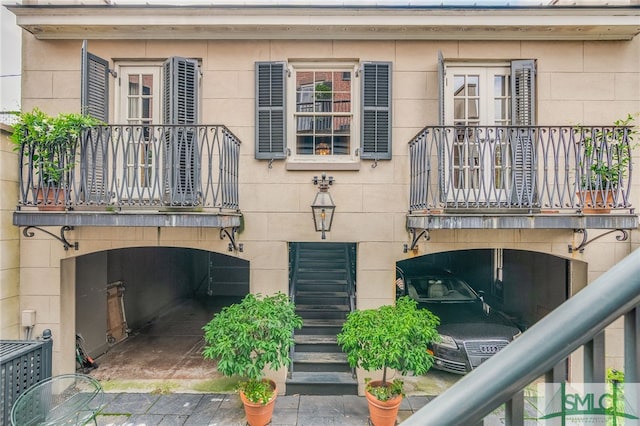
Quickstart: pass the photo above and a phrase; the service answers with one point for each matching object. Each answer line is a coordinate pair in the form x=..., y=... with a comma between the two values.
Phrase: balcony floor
x=520, y=221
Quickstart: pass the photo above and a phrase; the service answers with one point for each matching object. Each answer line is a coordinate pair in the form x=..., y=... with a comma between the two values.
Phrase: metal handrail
x=133, y=166
x=524, y=167
x=573, y=324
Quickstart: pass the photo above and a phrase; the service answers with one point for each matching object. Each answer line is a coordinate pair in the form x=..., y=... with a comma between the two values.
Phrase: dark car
x=470, y=330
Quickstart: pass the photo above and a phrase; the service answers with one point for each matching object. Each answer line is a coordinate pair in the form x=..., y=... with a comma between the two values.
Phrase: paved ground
x=138, y=409
x=157, y=377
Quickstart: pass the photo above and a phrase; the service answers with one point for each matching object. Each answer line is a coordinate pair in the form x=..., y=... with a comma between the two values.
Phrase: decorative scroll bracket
x=62, y=238
x=624, y=235
x=415, y=236
x=233, y=245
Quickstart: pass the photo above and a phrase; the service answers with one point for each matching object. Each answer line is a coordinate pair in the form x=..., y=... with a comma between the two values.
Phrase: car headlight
x=447, y=342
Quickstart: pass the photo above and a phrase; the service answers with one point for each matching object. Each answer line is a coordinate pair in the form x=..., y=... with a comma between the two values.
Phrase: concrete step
x=321, y=383
x=322, y=297
x=316, y=343
x=320, y=362
x=321, y=326
x=322, y=311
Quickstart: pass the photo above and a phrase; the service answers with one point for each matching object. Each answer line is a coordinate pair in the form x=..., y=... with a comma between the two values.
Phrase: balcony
x=136, y=175
x=532, y=177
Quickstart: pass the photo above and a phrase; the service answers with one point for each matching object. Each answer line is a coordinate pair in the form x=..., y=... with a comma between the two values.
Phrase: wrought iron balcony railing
x=535, y=168
x=122, y=166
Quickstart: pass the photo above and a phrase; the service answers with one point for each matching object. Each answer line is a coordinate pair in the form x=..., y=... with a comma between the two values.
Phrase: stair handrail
x=293, y=267
x=552, y=339
x=351, y=286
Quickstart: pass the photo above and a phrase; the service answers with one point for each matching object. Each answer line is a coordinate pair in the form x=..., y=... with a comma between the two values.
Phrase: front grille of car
x=479, y=351
x=450, y=366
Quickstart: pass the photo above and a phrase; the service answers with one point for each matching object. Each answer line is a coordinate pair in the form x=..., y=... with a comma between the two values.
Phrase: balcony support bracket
x=624, y=236
x=416, y=234
x=231, y=234
x=27, y=232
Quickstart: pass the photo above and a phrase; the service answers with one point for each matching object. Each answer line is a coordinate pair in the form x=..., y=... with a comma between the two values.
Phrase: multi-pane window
x=479, y=96
x=140, y=106
x=312, y=111
x=323, y=113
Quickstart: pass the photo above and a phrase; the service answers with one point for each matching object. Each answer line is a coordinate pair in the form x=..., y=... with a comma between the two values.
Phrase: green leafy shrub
x=390, y=337
x=50, y=142
x=248, y=337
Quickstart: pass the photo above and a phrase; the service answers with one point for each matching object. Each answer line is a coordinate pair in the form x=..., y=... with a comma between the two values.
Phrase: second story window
x=319, y=112
x=323, y=115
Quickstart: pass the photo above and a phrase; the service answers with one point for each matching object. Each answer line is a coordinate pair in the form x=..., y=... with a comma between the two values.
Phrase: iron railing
x=122, y=166
x=531, y=167
x=540, y=351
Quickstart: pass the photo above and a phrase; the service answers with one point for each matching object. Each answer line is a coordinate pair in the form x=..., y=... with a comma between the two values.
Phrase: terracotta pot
x=259, y=414
x=597, y=206
x=54, y=199
x=383, y=413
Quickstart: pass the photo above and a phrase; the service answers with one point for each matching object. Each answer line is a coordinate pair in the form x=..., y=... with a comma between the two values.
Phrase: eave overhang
x=328, y=22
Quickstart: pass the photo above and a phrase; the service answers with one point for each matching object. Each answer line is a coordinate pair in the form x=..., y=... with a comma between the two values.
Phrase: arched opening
x=510, y=290
x=140, y=311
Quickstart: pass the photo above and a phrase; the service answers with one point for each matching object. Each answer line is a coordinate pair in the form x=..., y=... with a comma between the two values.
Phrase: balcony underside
x=521, y=221
x=128, y=218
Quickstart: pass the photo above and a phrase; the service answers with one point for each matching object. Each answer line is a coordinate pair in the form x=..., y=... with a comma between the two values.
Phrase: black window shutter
x=94, y=101
x=441, y=76
x=523, y=92
x=376, y=111
x=94, y=85
x=270, y=111
x=523, y=100
x=180, y=108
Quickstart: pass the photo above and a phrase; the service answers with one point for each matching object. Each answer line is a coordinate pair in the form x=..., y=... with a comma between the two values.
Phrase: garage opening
x=140, y=311
x=485, y=298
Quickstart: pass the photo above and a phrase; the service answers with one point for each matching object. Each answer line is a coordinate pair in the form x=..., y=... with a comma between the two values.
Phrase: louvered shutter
x=94, y=101
x=523, y=100
x=270, y=110
x=180, y=108
x=441, y=75
x=376, y=111
x=441, y=134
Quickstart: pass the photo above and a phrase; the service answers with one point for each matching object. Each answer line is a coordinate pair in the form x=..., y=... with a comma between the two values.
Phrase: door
x=140, y=105
x=477, y=159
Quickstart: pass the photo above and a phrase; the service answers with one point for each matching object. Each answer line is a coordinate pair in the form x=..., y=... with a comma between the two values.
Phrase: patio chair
x=68, y=399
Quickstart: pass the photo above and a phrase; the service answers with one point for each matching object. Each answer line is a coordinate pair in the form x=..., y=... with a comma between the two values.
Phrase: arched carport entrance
x=523, y=286
x=140, y=311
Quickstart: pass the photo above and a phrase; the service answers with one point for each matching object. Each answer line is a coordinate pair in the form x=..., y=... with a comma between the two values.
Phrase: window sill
x=322, y=166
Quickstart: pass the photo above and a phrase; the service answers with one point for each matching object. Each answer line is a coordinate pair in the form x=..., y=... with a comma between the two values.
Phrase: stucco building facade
x=435, y=66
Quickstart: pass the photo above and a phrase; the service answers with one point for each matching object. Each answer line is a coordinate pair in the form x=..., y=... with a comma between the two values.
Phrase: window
x=482, y=157
x=139, y=104
x=319, y=112
x=323, y=115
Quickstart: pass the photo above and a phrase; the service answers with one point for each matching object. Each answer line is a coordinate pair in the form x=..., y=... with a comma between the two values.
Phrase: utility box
x=23, y=364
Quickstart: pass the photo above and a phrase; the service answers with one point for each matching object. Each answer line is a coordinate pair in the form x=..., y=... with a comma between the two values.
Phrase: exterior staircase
x=322, y=287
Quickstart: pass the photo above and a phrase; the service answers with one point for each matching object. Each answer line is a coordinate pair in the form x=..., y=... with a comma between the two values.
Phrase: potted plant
x=606, y=157
x=394, y=337
x=47, y=146
x=246, y=338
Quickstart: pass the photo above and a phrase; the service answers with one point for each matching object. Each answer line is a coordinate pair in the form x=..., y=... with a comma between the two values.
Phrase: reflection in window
x=323, y=113
x=140, y=158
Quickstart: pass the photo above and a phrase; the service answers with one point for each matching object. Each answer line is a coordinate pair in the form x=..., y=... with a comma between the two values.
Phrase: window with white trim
x=311, y=112
x=324, y=121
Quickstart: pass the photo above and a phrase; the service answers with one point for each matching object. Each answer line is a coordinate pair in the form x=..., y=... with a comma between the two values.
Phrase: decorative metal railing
x=531, y=167
x=121, y=166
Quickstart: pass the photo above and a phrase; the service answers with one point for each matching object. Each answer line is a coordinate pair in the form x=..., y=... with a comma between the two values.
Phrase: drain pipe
x=538, y=350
